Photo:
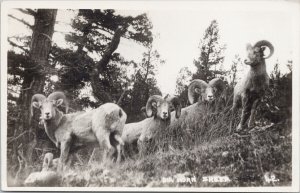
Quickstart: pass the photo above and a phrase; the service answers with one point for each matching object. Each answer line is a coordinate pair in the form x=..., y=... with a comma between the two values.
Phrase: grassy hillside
x=202, y=150
x=241, y=161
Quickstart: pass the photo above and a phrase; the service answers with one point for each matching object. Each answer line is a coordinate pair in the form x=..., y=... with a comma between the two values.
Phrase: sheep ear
x=36, y=105
x=256, y=49
x=154, y=105
x=249, y=47
x=198, y=90
x=59, y=102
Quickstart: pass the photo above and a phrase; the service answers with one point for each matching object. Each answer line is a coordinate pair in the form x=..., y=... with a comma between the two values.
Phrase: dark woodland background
x=34, y=59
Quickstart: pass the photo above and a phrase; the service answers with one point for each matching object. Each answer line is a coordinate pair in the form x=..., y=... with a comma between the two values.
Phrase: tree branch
x=21, y=20
x=113, y=45
x=98, y=89
x=122, y=96
x=18, y=46
x=28, y=11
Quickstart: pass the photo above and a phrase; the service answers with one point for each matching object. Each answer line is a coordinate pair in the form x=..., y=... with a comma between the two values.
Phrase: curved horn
x=267, y=44
x=176, y=103
x=195, y=84
x=153, y=98
x=36, y=98
x=217, y=83
x=59, y=95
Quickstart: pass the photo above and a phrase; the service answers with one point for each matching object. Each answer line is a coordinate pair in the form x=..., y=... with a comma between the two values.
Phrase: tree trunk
x=97, y=87
x=34, y=80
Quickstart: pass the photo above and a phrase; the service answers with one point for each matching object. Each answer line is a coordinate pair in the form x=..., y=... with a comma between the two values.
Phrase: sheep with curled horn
x=251, y=88
x=207, y=92
x=73, y=130
x=48, y=176
x=53, y=96
x=158, y=110
x=199, y=93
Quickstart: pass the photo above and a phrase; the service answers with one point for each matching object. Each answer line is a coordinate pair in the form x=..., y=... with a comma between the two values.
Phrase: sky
x=178, y=32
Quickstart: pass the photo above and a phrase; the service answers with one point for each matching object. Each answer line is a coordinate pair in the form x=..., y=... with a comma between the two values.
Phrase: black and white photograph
x=150, y=95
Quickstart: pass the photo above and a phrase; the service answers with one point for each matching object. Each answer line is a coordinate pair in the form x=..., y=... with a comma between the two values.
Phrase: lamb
x=47, y=176
x=251, y=89
x=158, y=110
x=81, y=128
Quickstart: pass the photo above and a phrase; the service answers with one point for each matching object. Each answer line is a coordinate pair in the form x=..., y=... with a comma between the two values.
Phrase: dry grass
x=202, y=145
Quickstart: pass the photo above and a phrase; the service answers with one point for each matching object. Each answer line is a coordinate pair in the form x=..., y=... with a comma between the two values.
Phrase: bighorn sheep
x=54, y=96
x=158, y=110
x=252, y=87
x=81, y=128
x=47, y=176
x=207, y=92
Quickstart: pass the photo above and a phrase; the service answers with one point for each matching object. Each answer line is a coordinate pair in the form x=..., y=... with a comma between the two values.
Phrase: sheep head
x=48, y=106
x=207, y=91
x=256, y=53
x=161, y=107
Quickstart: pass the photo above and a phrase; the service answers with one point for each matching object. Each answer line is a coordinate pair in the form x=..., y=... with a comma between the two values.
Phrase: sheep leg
x=64, y=153
x=109, y=148
x=119, y=153
x=247, y=104
x=119, y=139
x=119, y=147
x=252, y=116
x=140, y=145
x=103, y=140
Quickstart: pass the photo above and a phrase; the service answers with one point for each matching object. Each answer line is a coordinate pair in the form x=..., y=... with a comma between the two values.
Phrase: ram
x=252, y=87
x=81, y=128
x=202, y=97
x=158, y=109
x=207, y=92
x=54, y=96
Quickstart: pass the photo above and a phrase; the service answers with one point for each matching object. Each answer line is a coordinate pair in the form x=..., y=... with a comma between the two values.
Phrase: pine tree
x=211, y=57
x=30, y=69
x=144, y=83
x=99, y=33
x=182, y=82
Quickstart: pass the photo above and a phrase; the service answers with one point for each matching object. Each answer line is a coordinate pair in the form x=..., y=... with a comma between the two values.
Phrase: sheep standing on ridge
x=158, y=110
x=81, y=128
x=252, y=87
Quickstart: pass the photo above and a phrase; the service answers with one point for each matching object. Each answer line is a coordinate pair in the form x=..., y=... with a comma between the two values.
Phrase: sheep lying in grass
x=158, y=110
x=81, y=128
x=207, y=92
x=252, y=87
x=47, y=176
